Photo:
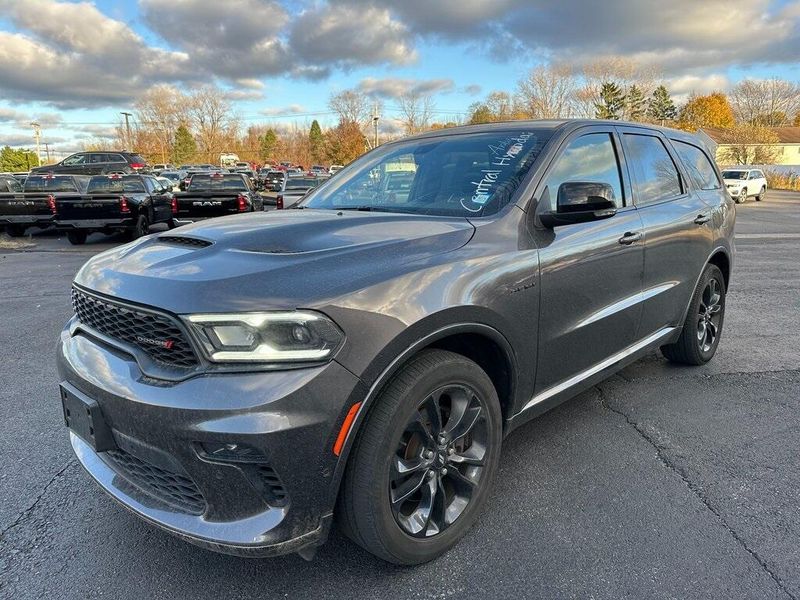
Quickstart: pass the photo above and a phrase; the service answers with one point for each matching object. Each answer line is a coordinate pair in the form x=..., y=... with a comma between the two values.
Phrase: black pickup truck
x=129, y=203
x=216, y=195
x=34, y=203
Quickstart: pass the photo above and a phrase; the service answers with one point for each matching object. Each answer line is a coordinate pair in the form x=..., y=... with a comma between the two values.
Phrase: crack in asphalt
x=28, y=511
x=664, y=460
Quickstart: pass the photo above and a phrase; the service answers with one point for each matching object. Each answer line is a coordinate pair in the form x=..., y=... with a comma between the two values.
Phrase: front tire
x=423, y=463
x=702, y=327
x=742, y=197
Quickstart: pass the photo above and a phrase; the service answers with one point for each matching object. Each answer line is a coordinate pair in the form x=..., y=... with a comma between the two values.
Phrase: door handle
x=630, y=237
x=702, y=218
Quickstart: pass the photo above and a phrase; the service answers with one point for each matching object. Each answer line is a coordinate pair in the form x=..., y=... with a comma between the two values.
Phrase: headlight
x=267, y=337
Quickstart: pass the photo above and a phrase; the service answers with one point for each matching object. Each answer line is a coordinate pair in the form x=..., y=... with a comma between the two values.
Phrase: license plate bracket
x=84, y=417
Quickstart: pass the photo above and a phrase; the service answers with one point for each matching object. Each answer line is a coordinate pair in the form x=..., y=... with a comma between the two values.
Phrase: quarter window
x=656, y=176
x=590, y=158
x=699, y=166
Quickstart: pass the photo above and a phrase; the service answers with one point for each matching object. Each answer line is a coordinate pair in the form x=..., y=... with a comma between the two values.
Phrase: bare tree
x=417, y=110
x=749, y=145
x=354, y=106
x=769, y=102
x=211, y=117
x=547, y=92
x=159, y=111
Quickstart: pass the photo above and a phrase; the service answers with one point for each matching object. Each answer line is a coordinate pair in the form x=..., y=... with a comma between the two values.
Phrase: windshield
x=734, y=174
x=472, y=174
x=232, y=183
x=115, y=185
x=49, y=183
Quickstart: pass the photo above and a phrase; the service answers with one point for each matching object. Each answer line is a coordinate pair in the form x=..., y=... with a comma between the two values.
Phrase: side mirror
x=581, y=202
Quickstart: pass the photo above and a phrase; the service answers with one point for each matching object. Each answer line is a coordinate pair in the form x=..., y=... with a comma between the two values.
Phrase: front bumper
x=289, y=418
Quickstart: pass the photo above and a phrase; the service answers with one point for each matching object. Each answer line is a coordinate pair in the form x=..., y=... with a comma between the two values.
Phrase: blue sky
x=75, y=65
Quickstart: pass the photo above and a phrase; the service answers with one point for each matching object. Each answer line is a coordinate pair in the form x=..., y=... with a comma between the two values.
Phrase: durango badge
x=153, y=342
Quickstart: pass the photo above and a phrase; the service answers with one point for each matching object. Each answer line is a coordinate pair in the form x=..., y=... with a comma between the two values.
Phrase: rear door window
x=656, y=175
x=698, y=164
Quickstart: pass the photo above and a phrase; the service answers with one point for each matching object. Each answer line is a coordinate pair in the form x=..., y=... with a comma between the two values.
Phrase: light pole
x=37, y=133
x=375, y=118
x=127, y=130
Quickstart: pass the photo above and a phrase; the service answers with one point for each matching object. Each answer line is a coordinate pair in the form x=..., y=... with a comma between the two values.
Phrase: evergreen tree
x=12, y=160
x=612, y=102
x=267, y=144
x=184, y=148
x=661, y=108
x=316, y=142
x=636, y=105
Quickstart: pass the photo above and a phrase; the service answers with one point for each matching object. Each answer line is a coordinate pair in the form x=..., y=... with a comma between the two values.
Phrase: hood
x=273, y=260
x=734, y=181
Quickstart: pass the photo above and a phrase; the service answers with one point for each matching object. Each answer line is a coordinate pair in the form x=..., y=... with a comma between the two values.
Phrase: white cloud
x=292, y=109
x=393, y=87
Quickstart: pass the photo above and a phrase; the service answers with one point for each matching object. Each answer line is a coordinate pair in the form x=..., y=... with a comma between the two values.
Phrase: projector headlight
x=267, y=337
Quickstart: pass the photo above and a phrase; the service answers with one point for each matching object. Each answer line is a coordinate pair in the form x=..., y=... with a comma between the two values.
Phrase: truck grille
x=156, y=335
x=177, y=490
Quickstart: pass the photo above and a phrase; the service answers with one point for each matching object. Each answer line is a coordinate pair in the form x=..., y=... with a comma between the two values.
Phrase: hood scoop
x=180, y=240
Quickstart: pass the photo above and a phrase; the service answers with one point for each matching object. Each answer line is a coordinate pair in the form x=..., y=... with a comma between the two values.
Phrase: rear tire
x=761, y=194
x=15, y=230
x=77, y=238
x=414, y=482
x=141, y=228
x=702, y=328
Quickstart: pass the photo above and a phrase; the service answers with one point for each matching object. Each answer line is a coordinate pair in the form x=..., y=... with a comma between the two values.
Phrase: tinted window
x=232, y=183
x=590, y=159
x=465, y=175
x=49, y=183
x=301, y=183
x=9, y=184
x=734, y=174
x=699, y=166
x=75, y=159
x=656, y=175
x=115, y=185
x=95, y=157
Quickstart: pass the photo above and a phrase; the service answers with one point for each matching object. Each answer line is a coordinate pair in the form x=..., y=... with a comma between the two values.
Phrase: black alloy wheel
x=439, y=461
x=702, y=327
x=423, y=460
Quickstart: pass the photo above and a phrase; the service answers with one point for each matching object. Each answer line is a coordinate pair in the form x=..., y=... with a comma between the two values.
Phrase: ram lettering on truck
x=211, y=195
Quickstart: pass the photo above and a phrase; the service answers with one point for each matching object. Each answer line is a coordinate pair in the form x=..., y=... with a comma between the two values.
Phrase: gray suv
x=245, y=381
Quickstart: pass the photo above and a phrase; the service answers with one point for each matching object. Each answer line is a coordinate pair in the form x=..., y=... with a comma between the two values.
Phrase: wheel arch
x=479, y=342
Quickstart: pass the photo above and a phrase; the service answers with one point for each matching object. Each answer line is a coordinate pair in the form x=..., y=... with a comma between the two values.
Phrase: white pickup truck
x=744, y=182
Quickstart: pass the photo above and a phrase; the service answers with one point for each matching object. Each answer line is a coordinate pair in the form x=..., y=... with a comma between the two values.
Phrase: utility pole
x=47, y=151
x=37, y=133
x=127, y=130
x=375, y=118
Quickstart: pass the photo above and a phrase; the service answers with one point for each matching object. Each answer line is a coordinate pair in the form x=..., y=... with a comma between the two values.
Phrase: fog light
x=231, y=452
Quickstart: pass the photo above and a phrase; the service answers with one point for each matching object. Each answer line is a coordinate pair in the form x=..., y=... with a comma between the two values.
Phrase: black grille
x=183, y=241
x=172, y=488
x=157, y=335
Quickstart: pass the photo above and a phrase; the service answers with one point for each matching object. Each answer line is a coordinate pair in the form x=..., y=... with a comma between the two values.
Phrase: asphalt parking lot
x=662, y=482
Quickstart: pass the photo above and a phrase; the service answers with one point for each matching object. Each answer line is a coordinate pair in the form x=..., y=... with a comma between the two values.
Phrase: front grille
x=177, y=490
x=182, y=240
x=157, y=335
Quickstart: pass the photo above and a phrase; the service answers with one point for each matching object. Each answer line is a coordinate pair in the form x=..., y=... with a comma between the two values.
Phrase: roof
x=786, y=135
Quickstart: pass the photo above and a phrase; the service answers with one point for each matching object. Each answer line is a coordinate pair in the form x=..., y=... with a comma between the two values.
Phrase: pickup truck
x=129, y=203
x=34, y=203
x=216, y=195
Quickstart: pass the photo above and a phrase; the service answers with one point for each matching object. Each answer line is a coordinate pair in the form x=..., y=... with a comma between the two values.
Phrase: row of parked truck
x=83, y=204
